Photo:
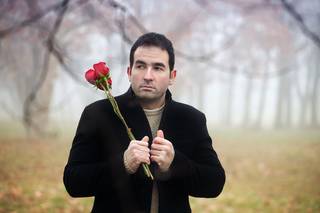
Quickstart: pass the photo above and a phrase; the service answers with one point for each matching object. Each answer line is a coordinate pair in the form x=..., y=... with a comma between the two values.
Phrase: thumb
x=160, y=134
x=145, y=139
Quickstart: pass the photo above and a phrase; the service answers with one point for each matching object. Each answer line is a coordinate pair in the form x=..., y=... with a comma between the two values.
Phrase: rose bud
x=110, y=82
x=91, y=76
x=101, y=69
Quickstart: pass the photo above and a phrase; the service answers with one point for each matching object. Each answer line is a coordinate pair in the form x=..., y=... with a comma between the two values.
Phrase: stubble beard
x=150, y=99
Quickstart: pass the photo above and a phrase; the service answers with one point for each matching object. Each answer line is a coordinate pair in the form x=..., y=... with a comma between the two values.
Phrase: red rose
x=99, y=76
x=91, y=76
x=101, y=69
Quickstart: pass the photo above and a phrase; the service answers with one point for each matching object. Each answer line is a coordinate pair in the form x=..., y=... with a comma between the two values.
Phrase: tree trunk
x=305, y=101
x=229, y=99
x=315, y=90
x=262, y=101
x=246, y=122
x=282, y=102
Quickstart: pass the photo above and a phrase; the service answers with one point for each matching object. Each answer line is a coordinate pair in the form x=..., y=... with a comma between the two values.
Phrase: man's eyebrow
x=159, y=64
x=140, y=62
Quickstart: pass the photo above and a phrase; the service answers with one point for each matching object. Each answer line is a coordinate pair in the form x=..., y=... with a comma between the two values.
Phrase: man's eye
x=158, y=68
x=140, y=66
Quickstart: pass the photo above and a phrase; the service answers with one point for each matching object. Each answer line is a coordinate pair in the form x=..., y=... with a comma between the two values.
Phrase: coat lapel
x=134, y=115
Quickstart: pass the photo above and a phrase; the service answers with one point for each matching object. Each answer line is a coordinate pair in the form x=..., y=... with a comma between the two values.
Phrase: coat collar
x=129, y=97
x=134, y=114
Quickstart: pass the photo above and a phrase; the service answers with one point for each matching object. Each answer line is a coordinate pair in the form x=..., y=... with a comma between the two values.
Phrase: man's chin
x=147, y=96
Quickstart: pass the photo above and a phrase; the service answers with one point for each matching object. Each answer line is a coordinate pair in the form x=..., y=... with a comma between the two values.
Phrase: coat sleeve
x=202, y=172
x=86, y=173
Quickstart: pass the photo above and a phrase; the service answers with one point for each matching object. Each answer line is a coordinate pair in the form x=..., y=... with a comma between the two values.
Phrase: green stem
x=118, y=113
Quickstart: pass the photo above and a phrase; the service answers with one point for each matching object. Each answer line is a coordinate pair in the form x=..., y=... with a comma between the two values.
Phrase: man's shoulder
x=185, y=109
x=98, y=105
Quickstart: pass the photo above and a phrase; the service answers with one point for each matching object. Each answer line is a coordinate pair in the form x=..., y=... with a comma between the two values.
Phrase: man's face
x=150, y=75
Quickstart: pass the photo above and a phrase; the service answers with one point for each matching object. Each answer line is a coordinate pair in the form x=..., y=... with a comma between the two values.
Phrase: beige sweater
x=154, y=117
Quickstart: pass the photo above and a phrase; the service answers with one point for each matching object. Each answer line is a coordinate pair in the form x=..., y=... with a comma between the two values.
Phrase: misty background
x=252, y=66
x=245, y=63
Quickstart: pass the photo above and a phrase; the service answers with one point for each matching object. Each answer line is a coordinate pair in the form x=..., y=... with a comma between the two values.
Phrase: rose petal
x=91, y=76
x=101, y=69
x=109, y=81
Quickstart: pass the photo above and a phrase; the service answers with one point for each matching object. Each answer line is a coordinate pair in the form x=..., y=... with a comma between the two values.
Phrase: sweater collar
x=134, y=114
x=130, y=100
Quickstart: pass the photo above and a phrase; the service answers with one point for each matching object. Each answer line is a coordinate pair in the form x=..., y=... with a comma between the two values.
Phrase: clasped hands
x=138, y=152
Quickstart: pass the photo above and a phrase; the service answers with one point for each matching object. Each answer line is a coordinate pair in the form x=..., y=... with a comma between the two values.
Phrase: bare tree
x=214, y=40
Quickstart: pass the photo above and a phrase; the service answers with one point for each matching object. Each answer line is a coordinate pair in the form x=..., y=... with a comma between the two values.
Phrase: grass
x=266, y=172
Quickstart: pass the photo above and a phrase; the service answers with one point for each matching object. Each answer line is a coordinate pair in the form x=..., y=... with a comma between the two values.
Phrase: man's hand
x=136, y=153
x=162, y=151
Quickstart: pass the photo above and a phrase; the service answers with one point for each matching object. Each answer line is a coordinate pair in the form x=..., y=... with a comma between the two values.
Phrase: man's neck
x=154, y=104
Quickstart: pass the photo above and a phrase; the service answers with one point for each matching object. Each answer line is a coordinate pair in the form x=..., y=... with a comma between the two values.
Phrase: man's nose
x=148, y=75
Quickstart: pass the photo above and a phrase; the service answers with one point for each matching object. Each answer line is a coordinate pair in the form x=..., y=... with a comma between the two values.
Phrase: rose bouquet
x=100, y=77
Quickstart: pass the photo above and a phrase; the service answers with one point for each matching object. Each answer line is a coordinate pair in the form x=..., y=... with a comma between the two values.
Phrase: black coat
x=95, y=166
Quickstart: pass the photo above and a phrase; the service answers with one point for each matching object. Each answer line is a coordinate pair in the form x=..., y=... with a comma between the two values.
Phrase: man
x=174, y=142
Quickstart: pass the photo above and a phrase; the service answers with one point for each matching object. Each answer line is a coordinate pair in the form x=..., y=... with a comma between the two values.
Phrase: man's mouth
x=146, y=87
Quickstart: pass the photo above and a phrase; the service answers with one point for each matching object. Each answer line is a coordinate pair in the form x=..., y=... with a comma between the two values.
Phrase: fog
x=252, y=66
x=246, y=64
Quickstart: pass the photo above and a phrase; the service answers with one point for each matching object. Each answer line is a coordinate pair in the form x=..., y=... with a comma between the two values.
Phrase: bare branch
x=35, y=18
x=55, y=50
x=301, y=22
x=143, y=29
x=8, y=31
x=209, y=56
x=135, y=21
x=32, y=96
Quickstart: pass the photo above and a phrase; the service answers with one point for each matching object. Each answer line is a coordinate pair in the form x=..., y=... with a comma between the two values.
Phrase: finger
x=162, y=141
x=137, y=162
x=159, y=147
x=145, y=159
x=141, y=157
x=135, y=146
x=158, y=140
x=156, y=153
x=143, y=149
x=137, y=142
x=139, y=153
x=145, y=139
x=160, y=134
x=157, y=159
x=142, y=143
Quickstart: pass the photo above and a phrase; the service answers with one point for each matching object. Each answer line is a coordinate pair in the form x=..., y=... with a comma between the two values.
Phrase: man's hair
x=156, y=40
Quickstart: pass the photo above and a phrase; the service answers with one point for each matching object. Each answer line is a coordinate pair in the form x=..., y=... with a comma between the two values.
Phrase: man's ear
x=129, y=73
x=173, y=75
